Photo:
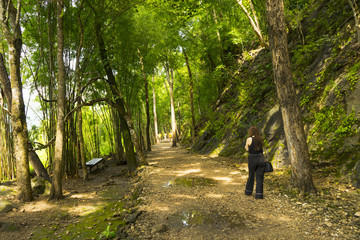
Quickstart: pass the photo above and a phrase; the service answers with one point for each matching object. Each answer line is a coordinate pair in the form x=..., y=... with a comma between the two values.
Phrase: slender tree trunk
x=146, y=85
x=299, y=25
x=52, y=129
x=130, y=136
x=218, y=36
x=172, y=107
x=217, y=31
x=178, y=129
x=18, y=119
x=80, y=134
x=82, y=145
x=155, y=115
x=148, y=122
x=191, y=97
x=56, y=187
x=5, y=81
x=119, y=150
x=356, y=13
x=6, y=143
x=294, y=130
x=253, y=21
x=142, y=142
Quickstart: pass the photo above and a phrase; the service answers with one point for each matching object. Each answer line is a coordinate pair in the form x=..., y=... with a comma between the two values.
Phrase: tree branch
x=90, y=82
x=42, y=146
x=92, y=102
x=6, y=110
x=17, y=19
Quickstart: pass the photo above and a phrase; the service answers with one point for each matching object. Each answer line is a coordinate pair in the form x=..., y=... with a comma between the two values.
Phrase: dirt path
x=182, y=195
x=187, y=196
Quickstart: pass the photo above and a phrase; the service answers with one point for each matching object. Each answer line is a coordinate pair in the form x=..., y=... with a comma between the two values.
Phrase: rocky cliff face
x=326, y=67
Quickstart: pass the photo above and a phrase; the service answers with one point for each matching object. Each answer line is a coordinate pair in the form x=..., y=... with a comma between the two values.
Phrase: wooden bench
x=94, y=162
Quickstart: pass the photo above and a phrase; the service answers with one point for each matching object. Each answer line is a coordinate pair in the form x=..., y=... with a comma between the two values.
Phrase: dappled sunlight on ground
x=39, y=207
x=84, y=196
x=85, y=209
x=163, y=209
x=192, y=165
x=186, y=172
x=213, y=195
x=182, y=196
x=165, y=147
x=84, y=201
x=160, y=158
x=224, y=180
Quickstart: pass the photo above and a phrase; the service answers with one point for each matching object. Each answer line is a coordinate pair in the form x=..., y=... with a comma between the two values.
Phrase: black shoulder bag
x=268, y=167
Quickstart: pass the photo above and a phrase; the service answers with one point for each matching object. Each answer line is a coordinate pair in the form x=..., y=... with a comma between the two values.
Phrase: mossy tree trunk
x=10, y=23
x=294, y=130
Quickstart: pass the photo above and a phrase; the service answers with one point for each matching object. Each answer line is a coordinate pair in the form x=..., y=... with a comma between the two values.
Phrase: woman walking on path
x=256, y=162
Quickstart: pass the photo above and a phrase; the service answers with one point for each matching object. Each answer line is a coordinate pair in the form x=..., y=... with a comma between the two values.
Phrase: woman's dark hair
x=258, y=140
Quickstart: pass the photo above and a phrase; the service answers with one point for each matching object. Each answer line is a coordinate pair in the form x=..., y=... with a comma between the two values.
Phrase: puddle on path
x=211, y=218
x=191, y=182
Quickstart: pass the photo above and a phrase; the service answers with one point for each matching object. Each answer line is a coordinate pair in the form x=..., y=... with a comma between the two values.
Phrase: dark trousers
x=256, y=166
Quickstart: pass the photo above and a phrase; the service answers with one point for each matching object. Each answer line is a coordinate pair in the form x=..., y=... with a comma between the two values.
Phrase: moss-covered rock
x=38, y=185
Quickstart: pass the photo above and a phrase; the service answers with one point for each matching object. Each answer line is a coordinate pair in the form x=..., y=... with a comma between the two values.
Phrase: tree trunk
x=5, y=81
x=56, y=187
x=253, y=21
x=155, y=115
x=37, y=164
x=119, y=150
x=80, y=134
x=294, y=130
x=356, y=13
x=6, y=143
x=18, y=119
x=191, y=97
x=146, y=85
x=81, y=145
x=172, y=108
x=129, y=133
x=142, y=142
x=52, y=123
x=148, y=141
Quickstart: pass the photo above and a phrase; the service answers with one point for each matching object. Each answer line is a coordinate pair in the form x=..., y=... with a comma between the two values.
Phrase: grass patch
x=90, y=226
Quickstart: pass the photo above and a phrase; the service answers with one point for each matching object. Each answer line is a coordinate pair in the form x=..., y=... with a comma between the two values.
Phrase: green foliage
x=352, y=75
x=107, y=233
x=304, y=55
x=331, y=128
